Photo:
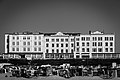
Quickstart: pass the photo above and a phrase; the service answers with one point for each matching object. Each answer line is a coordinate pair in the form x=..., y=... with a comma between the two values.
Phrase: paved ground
x=2, y=77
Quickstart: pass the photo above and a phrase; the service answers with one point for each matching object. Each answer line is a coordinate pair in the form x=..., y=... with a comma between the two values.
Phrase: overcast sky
x=59, y=15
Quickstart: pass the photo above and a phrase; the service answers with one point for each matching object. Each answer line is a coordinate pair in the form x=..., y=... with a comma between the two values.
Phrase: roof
x=60, y=33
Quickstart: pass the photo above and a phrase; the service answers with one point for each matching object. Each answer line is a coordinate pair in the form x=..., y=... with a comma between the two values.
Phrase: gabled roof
x=59, y=34
x=62, y=34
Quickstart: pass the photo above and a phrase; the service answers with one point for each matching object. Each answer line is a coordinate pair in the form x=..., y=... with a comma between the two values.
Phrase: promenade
x=3, y=77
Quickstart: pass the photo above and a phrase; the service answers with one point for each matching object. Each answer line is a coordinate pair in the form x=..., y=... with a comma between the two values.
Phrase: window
x=11, y=56
x=61, y=45
x=17, y=38
x=111, y=38
x=87, y=43
x=106, y=38
x=77, y=49
x=57, y=51
x=35, y=49
x=33, y=56
x=66, y=50
x=77, y=56
x=17, y=43
x=35, y=37
x=83, y=44
x=13, y=37
x=39, y=48
x=66, y=40
x=83, y=49
x=24, y=38
x=88, y=50
x=94, y=38
x=62, y=40
x=106, y=49
x=35, y=43
x=24, y=43
x=72, y=45
x=106, y=43
x=13, y=49
x=111, y=49
x=72, y=51
x=77, y=39
x=72, y=39
x=99, y=49
x=99, y=43
x=28, y=43
x=28, y=38
x=24, y=49
x=39, y=37
x=47, y=50
x=52, y=45
x=47, y=56
x=94, y=43
x=47, y=45
x=99, y=38
x=13, y=43
x=111, y=44
x=61, y=50
x=57, y=40
x=66, y=45
x=94, y=49
x=57, y=45
x=87, y=38
x=28, y=49
x=52, y=50
x=39, y=43
x=53, y=40
x=83, y=39
x=77, y=43
x=47, y=40
x=17, y=49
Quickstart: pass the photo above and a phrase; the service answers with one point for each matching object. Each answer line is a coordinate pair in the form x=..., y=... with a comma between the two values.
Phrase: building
x=59, y=45
x=95, y=45
x=24, y=45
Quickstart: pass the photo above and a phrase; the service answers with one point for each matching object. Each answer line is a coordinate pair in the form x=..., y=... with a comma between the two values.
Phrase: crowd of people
x=65, y=70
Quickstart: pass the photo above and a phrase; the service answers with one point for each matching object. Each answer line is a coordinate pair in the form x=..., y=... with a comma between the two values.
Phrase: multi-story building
x=24, y=45
x=59, y=45
x=95, y=45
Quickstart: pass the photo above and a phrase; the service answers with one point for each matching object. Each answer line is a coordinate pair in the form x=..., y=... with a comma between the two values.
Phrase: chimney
x=89, y=32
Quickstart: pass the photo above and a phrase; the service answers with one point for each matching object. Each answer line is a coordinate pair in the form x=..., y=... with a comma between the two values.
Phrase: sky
x=59, y=15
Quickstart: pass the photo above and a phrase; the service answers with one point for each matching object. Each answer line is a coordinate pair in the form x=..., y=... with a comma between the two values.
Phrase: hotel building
x=59, y=45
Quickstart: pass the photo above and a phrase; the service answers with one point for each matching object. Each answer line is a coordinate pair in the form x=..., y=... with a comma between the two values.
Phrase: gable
x=59, y=34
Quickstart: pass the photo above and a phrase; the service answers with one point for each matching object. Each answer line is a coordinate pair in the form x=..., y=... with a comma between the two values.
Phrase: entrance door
x=23, y=56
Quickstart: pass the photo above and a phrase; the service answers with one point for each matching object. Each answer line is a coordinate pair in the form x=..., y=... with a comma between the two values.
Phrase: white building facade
x=24, y=45
x=59, y=45
x=95, y=45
